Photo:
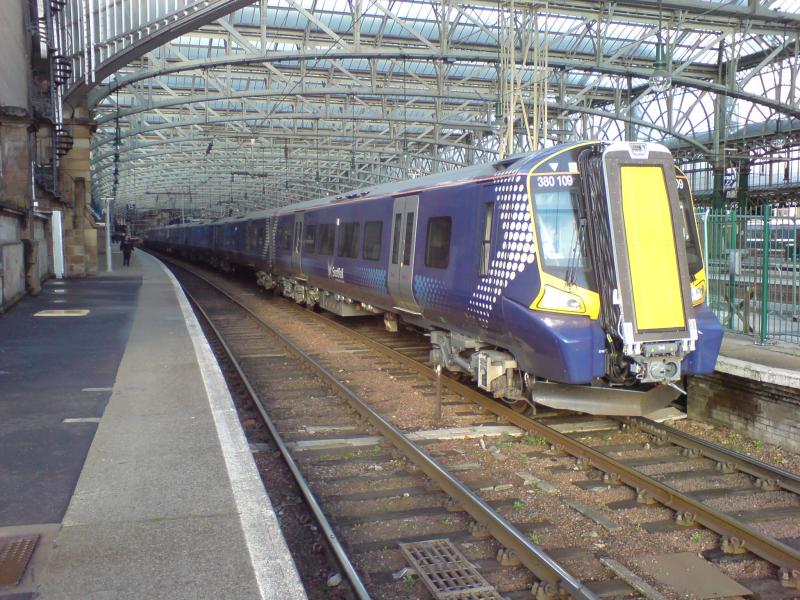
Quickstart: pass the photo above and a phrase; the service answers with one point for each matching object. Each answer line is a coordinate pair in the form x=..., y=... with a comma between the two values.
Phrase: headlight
x=698, y=292
x=555, y=299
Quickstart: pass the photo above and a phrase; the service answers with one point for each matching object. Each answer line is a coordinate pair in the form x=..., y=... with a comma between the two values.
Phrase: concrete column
x=80, y=233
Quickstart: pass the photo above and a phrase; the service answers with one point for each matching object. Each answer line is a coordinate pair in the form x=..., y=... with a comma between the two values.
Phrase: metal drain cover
x=15, y=552
x=446, y=573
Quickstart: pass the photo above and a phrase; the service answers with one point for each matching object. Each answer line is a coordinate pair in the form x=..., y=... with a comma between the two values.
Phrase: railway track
x=613, y=457
x=278, y=374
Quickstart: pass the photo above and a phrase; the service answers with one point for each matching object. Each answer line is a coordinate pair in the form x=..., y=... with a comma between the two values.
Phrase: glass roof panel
x=593, y=54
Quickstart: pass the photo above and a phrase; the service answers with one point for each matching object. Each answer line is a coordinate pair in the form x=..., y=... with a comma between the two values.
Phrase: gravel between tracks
x=724, y=436
x=399, y=397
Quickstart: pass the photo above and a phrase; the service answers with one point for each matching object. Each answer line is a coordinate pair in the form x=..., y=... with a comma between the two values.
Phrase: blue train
x=570, y=277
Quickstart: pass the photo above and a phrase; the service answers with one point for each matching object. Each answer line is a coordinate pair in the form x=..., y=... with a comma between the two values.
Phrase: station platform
x=124, y=472
x=755, y=391
x=775, y=363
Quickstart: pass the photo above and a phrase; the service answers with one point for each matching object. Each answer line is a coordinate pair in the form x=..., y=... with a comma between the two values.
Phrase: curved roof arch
x=396, y=88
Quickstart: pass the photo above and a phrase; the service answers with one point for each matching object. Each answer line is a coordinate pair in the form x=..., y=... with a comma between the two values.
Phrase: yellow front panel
x=657, y=297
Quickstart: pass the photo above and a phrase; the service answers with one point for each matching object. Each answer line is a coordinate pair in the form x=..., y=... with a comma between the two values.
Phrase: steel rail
x=760, y=470
x=341, y=556
x=768, y=548
x=541, y=564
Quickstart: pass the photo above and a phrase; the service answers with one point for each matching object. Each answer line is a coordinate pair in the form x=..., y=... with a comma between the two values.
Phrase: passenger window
x=437, y=253
x=486, y=239
x=326, y=235
x=398, y=218
x=407, y=247
x=348, y=240
x=373, y=230
x=309, y=239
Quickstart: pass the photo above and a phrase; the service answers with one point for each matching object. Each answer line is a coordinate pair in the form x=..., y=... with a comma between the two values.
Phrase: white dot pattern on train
x=371, y=278
x=514, y=253
x=430, y=292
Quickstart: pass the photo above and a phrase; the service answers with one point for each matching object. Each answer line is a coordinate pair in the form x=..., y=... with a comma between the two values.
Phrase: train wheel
x=518, y=406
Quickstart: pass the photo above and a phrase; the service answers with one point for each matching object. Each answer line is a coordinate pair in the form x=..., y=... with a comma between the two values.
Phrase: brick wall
x=763, y=411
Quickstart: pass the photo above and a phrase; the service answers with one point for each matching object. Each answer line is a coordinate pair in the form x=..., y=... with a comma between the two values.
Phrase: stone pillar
x=80, y=233
x=74, y=225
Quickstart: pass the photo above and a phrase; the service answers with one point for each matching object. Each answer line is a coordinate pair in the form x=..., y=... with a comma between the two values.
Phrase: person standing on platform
x=127, y=248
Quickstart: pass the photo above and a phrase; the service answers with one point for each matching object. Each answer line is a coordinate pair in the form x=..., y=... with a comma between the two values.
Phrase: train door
x=401, y=258
x=297, y=242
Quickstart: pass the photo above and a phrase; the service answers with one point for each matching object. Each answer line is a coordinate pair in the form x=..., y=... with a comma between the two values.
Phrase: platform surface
x=168, y=503
x=776, y=363
x=48, y=373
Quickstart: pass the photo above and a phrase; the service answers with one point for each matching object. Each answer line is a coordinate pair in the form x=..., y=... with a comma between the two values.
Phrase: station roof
x=222, y=107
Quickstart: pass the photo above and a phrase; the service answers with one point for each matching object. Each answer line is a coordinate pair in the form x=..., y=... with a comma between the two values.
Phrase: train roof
x=395, y=187
x=437, y=179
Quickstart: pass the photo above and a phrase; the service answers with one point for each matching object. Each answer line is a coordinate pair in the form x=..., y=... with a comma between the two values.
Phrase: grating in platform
x=446, y=572
x=15, y=553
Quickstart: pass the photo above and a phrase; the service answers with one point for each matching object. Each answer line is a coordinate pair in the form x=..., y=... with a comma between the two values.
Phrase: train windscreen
x=560, y=229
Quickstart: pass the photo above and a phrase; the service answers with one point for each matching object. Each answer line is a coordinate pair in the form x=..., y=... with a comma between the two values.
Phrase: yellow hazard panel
x=657, y=297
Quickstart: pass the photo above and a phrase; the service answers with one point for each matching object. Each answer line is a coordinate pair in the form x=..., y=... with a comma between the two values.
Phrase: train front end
x=617, y=243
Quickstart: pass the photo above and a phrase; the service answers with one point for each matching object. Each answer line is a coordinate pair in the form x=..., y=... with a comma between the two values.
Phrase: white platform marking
x=82, y=420
x=64, y=312
x=97, y=389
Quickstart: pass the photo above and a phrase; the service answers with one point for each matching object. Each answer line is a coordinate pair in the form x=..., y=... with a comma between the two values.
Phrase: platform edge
x=263, y=536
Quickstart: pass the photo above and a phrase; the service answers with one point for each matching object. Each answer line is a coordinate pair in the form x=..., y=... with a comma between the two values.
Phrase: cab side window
x=486, y=238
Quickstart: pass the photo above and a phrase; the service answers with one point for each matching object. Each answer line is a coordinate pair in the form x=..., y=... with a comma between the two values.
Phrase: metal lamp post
x=109, y=201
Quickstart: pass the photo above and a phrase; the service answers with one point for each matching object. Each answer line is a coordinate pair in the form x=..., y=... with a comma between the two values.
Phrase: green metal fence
x=752, y=271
